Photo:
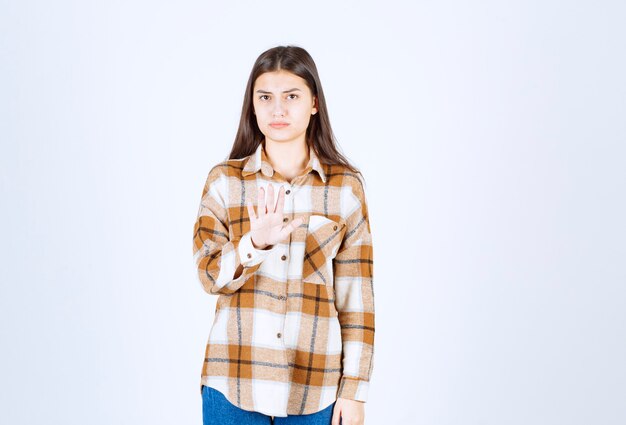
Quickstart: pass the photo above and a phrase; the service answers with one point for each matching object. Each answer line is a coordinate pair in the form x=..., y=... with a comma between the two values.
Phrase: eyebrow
x=285, y=91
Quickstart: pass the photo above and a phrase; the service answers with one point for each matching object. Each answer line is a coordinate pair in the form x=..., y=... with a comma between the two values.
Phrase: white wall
x=494, y=154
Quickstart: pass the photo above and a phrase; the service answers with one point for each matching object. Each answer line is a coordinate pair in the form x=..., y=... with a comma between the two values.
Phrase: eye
x=262, y=96
x=292, y=94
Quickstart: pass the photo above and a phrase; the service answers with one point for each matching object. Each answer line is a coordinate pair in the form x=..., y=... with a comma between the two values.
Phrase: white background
x=492, y=136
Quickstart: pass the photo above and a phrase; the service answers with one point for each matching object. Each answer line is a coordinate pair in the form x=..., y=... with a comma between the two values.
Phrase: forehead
x=279, y=81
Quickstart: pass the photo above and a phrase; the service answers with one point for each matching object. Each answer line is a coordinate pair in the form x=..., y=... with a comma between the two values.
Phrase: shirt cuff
x=248, y=254
x=353, y=389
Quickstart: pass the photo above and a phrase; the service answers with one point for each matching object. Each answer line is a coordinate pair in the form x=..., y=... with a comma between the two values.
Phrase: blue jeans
x=217, y=410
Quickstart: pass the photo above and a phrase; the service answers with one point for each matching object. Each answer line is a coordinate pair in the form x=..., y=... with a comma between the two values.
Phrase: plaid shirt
x=295, y=331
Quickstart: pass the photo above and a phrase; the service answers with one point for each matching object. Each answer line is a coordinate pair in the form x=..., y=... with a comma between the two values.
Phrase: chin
x=277, y=136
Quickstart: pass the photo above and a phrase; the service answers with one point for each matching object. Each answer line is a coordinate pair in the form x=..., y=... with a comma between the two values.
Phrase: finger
x=297, y=222
x=290, y=228
x=281, y=200
x=336, y=415
x=270, y=198
x=251, y=213
x=261, y=204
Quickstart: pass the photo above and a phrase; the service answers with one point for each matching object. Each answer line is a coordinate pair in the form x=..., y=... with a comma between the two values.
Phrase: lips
x=279, y=124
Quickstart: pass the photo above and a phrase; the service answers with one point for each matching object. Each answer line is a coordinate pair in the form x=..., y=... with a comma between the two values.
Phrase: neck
x=287, y=158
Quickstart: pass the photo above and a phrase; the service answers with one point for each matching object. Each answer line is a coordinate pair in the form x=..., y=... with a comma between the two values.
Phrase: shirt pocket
x=323, y=238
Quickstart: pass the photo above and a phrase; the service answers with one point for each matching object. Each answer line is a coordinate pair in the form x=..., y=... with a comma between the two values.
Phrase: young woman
x=283, y=238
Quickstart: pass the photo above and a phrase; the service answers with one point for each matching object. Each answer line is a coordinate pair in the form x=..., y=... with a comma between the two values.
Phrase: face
x=283, y=105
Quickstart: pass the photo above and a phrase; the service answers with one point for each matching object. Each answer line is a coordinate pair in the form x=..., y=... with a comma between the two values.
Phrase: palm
x=268, y=230
x=267, y=227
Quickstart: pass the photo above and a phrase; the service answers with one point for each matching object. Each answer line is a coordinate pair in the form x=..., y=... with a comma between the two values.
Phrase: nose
x=279, y=108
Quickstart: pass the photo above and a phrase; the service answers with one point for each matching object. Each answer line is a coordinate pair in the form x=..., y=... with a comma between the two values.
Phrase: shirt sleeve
x=354, y=297
x=217, y=257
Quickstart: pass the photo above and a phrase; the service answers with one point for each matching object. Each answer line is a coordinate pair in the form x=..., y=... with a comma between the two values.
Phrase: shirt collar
x=259, y=161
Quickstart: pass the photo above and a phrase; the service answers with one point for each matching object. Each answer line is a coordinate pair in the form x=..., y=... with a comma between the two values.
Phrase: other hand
x=351, y=412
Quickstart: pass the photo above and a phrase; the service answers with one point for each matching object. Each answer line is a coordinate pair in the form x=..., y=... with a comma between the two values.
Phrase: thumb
x=290, y=227
x=336, y=415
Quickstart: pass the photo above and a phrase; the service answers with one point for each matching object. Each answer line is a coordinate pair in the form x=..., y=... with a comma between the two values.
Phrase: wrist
x=258, y=246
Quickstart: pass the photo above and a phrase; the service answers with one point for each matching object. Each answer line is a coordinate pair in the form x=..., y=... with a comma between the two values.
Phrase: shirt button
x=284, y=257
x=249, y=255
x=285, y=219
x=334, y=227
x=278, y=335
x=287, y=192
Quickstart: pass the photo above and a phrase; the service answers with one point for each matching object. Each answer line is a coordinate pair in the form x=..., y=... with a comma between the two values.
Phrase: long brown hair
x=319, y=133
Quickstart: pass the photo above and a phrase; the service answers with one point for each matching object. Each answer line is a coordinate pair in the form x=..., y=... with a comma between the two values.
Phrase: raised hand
x=267, y=228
